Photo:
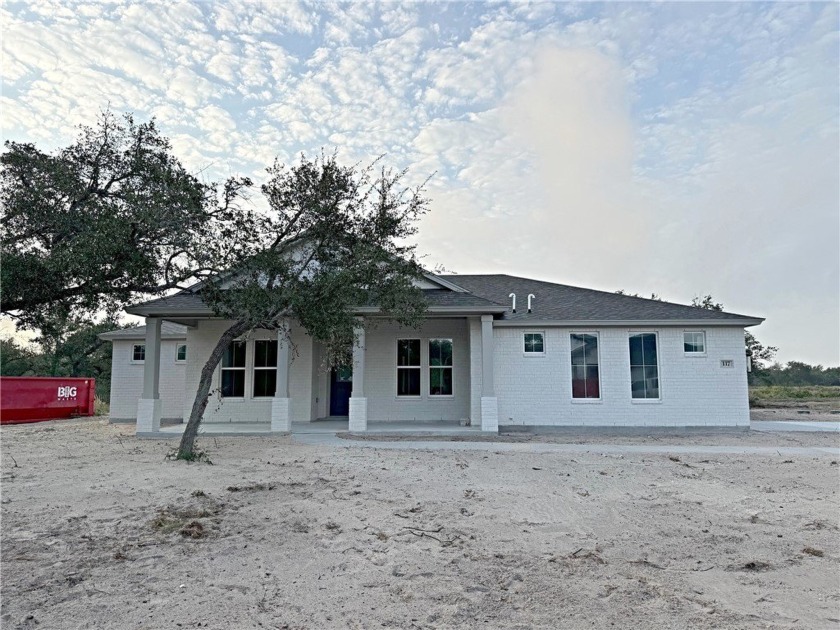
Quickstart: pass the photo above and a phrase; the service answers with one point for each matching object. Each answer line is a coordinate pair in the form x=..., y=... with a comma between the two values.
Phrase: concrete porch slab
x=330, y=426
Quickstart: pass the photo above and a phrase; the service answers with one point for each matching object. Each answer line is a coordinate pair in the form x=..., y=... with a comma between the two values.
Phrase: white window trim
x=705, y=344
x=138, y=361
x=430, y=367
x=178, y=345
x=248, y=360
x=252, y=368
x=645, y=401
x=398, y=367
x=533, y=355
x=586, y=401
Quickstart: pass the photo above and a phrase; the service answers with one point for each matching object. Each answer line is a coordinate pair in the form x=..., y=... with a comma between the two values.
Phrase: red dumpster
x=37, y=398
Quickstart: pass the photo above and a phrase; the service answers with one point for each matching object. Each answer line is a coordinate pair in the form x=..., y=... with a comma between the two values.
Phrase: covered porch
x=300, y=395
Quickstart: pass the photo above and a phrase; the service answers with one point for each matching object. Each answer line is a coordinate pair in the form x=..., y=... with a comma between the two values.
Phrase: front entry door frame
x=341, y=386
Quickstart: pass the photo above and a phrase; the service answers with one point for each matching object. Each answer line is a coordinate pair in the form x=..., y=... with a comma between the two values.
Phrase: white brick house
x=576, y=357
x=127, y=364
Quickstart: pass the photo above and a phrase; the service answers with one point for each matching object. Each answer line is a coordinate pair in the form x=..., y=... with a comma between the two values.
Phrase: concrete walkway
x=319, y=427
x=333, y=440
x=325, y=433
x=794, y=425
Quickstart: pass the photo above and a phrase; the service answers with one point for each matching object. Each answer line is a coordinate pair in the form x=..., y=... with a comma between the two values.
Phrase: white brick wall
x=381, y=373
x=201, y=341
x=695, y=391
x=127, y=381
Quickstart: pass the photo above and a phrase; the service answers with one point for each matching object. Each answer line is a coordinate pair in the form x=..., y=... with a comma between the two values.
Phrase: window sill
x=232, y=398
x=695, y=355
x=534, y=355
x=646, y=401
x=440, y=396
x=408, y=398
x=587, y=401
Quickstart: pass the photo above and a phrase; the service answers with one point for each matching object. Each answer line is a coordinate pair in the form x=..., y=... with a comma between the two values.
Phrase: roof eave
x=745, y=322
x=152, y=311
x=477, y=310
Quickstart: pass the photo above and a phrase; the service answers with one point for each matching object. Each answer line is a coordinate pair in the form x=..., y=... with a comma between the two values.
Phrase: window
x=694, y=342
x=585, y=378
x=644, y=371
x=534, y=343
x=233, y=370
x=265, y=368
x=344, y=374
x=408, y=367
x=440, y=367
x=180, y=353
x=138, y=353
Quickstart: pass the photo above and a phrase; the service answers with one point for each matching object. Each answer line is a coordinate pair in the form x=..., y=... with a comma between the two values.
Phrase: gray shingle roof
x=181, y=304
x=560, y=302
x=168, y=330
x=489, y=293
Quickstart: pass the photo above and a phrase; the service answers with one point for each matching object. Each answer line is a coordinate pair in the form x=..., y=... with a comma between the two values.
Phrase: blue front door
x=341, y=384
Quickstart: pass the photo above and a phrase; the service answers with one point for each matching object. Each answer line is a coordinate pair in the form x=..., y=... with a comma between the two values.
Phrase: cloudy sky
x=677, y=148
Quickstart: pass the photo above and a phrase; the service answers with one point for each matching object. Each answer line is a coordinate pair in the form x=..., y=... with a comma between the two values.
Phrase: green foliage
x=797, y=374
x=707, y=302
x=653, y=296
x=112, y=216
x=774, y=395
x=100, y=407
x=69, y=349
x=195, y=455
x=334, y=240
x=18, y=359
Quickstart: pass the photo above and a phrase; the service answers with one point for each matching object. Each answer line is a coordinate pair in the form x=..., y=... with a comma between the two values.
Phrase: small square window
x=534, y=343
x=694, y=342
x=138, y=353
x=181, y=353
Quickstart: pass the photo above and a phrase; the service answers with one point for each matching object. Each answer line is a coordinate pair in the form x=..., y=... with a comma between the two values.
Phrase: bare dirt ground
x=802, y=414
x=100, y=531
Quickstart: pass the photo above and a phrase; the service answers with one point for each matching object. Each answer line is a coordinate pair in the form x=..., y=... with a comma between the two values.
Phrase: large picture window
x=644, y=368
x=265, y=368
x=585, y=377
x=408, y=367
x=233, y=371
x=440, y=367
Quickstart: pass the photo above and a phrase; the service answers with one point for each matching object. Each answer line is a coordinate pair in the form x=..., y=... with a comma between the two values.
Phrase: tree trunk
x=202, y=396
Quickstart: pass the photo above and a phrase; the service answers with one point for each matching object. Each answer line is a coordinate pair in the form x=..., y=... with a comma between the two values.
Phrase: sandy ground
x=100, y=531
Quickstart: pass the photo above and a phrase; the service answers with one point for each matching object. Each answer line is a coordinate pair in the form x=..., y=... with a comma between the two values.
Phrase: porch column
x=149, y=407
x=358, y=402
x=281, y=404
x=489, y=404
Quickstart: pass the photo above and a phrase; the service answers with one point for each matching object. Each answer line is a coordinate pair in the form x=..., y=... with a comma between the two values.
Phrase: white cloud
x=670, y=148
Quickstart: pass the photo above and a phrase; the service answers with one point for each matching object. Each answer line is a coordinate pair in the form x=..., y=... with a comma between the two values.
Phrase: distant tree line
x=796, y=373
x=75, y=350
